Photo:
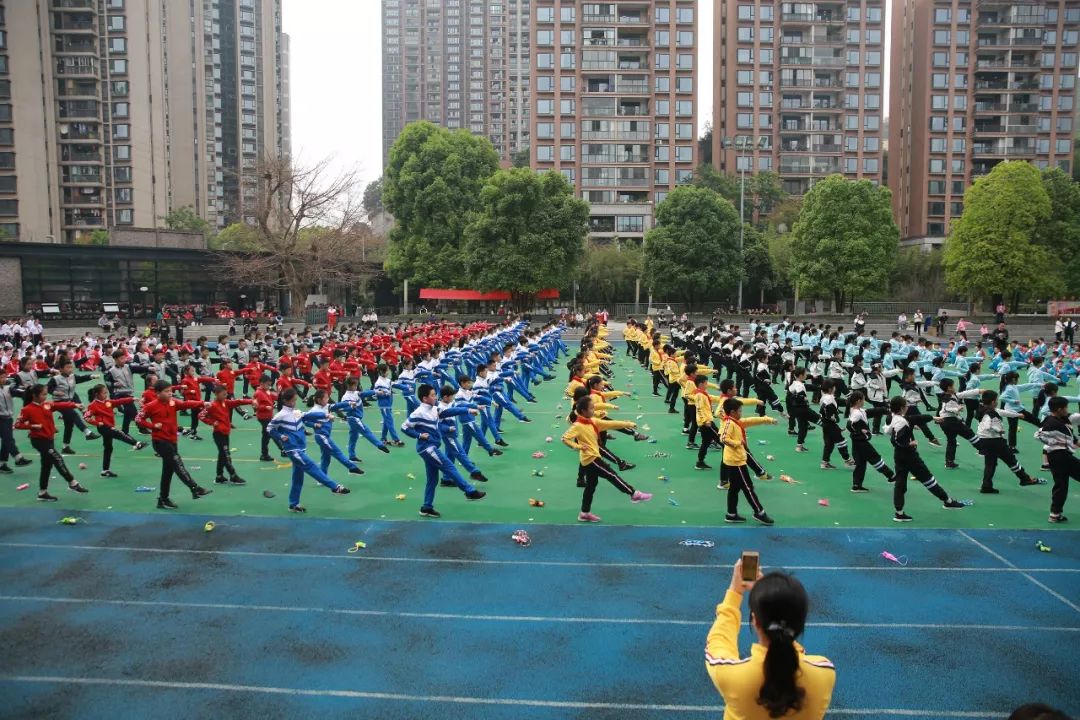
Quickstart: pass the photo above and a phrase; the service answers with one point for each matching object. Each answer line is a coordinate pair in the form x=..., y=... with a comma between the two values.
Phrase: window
x=7, y=136
x=935, y=187
x=744, y=77
x=942, y=37
x=121, y=132
x=120, y=110
x=872, y=101
x=744, y=121
x=941, y=59
x=545, y=37
x=766, y=56
x=764, y=121
x=1063, y=147
x=545, y=153
x=851, y=101
x=567, y=130
x=566, y=37
x=545, y=14
x=116, y=23
x=118, y=45
x=684, y=177
x=684, y=15
x=871, y=144
x=853, y=36
x=545, y=130
x=663, y=131
x=853, y=14
x=121, y=152
x=937, y=123
x=545, y=107
x=663, y=61
x=873, y=58
x=744, y=99
x=851, y=165
x=663, y=153
x=663, y=107
x=684, y=84
x=943, y=16
x=567, y=83
x=958, y=145
x=852, y=57
x=685, y=38
x=684, y=131
x=685, y=153
x=566, y=14
x=545, y=83
x=766, y=13
x=567, y=60
x=567, y=152
x=746, y=34
x=937, y=145
x=123, y=196
x=566, y=107
x=870, y=165
x=765, y=99
x=745, y=55
x=851, y=79
x=746, y=12
x=939, y=81
x=851, y=143
x=873, y=14
x=545, y=60
x=957, y=165
x=960, y=102
x=662, y=176
x=123, y=216
x=663, y=38
x=935, y=208
x=851, y=122
x=663, y=83
x=122, y=173
x=685, y=61
x=939, y=102
x=937, y=165
x=663, y=15
x=118, y=66
x=871, y=122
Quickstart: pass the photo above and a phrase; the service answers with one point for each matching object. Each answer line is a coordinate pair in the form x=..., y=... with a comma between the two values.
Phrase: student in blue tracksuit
x=482, y=394
x=406, y=384
x=321, y=419
x=352, y=406
x=449, y=429
x=470, y=429
x=384, y=396
x=288, y=427
x=1010, y=400
x=497, y=378
x=423, y=426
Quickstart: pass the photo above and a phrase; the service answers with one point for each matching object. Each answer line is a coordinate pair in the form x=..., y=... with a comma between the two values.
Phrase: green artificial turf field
x=682, y=495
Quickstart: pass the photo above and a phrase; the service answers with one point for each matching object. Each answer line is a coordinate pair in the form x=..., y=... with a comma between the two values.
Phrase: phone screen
x=749, y=565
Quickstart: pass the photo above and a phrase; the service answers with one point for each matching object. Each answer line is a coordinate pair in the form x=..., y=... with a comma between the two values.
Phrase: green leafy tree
x=237, y=237
x=704, y=145
x=990, y=248
x=693, y=252
x=527, y=234
x=432, y=187
x=726, y=186
x=844, y=242
x=764, y=191
x=608, y=271
x=1060, y=234
x=373, y=197
x=767, y=191
x=185, y=218
x=761, y=274
x=521, y=158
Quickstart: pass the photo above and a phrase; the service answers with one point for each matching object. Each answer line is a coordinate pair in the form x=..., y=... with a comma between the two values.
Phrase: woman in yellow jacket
x=584, y=436
x=778, y=679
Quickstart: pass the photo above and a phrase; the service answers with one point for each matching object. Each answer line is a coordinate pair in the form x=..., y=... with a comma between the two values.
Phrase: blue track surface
x=128, y=616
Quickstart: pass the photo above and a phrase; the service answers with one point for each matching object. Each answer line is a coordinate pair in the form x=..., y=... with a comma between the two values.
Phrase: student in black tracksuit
x=992, y=445
x=863, y=452
x=913, y=395
x=907, y=461
x=799, y=407
x=951, y=424
x=830, y=427
x=1057, y=436
x=763, y=384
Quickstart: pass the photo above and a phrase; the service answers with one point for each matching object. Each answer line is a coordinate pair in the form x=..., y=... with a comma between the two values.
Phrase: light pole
x=743, y=143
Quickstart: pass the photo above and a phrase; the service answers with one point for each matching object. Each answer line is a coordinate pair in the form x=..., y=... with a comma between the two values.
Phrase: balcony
x=1022, y=19
x=600, y=19
x=822, y=17
x=642, y=42
x=1006, y=129
x=83, y=218
x=1025, y=85
x=75, y=44
x=1014, y=62
x=633, y=19
x=835, y=61
x=805, y=168
x=1009, y=42
x=81, y=174
x=79, y=131
x=82, y=197
x=1002, y=150
x=1006, y=107
x=80, y=153
x=78, y=109
x=65, y=22
x=87, y=5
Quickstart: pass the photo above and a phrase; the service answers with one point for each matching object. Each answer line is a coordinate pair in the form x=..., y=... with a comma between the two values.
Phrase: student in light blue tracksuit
x=423, y=425
x=352, y=407
x=321, y=419
x=1010, y=400
x=482, y=394
x=288, y=427
x=449, y=429
x=384, y=396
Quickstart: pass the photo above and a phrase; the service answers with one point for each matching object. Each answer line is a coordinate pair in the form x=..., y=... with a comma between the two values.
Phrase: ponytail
x=779, y=604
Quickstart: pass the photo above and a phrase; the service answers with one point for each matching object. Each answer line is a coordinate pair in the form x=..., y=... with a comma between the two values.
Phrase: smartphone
x=749, y=565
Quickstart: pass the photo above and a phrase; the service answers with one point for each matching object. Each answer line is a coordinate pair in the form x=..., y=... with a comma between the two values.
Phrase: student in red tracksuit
x=37, y=417
x=287, y=380
x=190, y=389
x=265, y=403
x=159, y=417
x=99, y=413
x=218, y=414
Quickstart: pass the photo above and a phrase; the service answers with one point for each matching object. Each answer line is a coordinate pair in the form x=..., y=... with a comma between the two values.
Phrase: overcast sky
x=336, y=62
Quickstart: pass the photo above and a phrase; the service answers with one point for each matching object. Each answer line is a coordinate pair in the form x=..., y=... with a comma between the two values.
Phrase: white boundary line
x=501, y=618
x=538, y=563
x=461, y=700
x=1053, y=592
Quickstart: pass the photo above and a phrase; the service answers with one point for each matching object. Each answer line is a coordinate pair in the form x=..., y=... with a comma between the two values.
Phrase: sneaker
x=588, y=517
x=801, y=448
x=194, y=436
x=220, y=480
x=581, y=483
x=691, y=446
x=1033, y=481
x=723, y=485
x=76, y=487
x=166, y=504
x=951, y=504
x=356, y=471
x=237, y=480
x=92, y=436
x=627, y=466
x=502, y=443
x=951, y=465
x=430, y=512
x=23, y=462
x=385, y=449
x=702, y=466
x=764, y=518
x=901, y=517
x=108, y=474
x=1044, y=466
x=1059, y=518
x=5, y=469
x=447, y=483
x=686, y=431
x=475, y=495
x=935, y=442
x=734, y=518
x=639, y=437
x=44, y=496
x=66, y=450
x=199, y=492
x=355, y=459
x=139, y=445
x=825, y=465
x=297, y=509
x=672, y=411
x=764, y=476
x=265, y=458
x=858, y=489
x=640, y=497
x=495, y=453
x=989, y=490
x=849, y=463
x=526, y=420
x=341, y=490
x=792, y=432
x=478, y=476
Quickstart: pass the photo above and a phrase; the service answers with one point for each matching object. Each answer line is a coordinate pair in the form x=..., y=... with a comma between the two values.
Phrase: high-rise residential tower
x=460, y=64
x=123, y=110
x=614, y=103
x=973, y=84
x=798, y=89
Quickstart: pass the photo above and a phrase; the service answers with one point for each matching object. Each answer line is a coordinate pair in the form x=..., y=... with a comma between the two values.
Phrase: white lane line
x=500, y=618
x=1008, y=564
x=461, y=700
x=537, y=563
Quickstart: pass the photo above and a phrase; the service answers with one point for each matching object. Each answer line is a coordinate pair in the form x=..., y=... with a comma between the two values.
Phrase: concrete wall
x=11, y=304
x=146, y=237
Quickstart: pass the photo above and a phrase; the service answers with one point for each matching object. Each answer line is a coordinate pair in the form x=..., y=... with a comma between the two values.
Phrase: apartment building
x=975, y=83
x=123, y=110
x=798, y=89
x=614, y=104
x=462, y=64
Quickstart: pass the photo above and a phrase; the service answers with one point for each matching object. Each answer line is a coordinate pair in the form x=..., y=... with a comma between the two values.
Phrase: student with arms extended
x=778, y=679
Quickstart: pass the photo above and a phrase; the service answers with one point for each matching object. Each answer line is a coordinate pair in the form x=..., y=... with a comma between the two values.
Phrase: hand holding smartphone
x=750, y=565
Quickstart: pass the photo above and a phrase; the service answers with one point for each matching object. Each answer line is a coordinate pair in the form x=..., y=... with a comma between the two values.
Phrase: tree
x=373, y=197
x=758, y=263
x=844, y=242
x=521, y=158
x=763, y=193
x=1060, y=234
x=990, y=248
x=767, y=191
x=185, y=218
x=704, y=145
x=432, y=187
x=236, y=237
x=96, y=237
x=304, y=233
x=693, y=251
x=726, y=186
x=608, y=270
x=527, y=235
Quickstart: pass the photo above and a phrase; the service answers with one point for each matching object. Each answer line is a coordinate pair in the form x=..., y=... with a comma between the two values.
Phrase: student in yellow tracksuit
x=656, y=367
x=689, y=386
x=733, y=469
x=778, y=679
x=584, y=436
x=672, y=369
x=727, y=390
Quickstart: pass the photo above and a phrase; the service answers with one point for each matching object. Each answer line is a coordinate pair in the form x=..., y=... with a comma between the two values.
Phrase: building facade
x=461, y=64
x=799, y=89
x=973, y=84
x=124, y=110
x=614, y=104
